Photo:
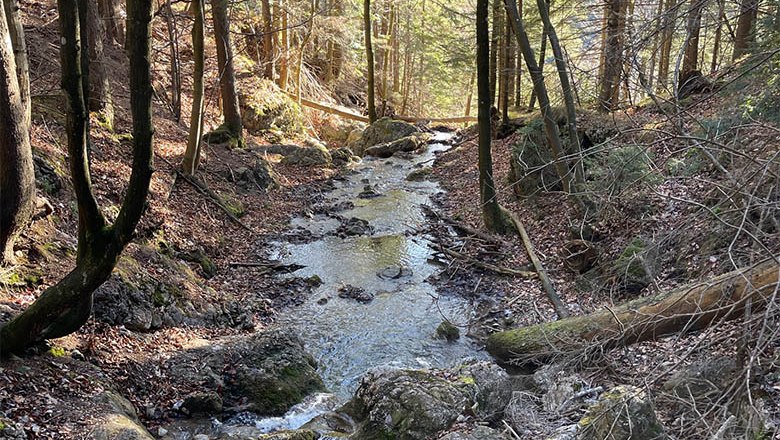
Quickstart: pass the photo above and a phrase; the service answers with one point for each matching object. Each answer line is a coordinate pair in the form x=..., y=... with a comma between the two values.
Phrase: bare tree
x=19, y=46
x=17, y=179
x=231, y=124
x=745, y=33
x=192, y=154
x=64, y=307
x=369, y=60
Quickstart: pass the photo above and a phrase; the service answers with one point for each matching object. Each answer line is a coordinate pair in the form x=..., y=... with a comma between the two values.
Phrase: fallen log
x=486, y=266
x=682, y=310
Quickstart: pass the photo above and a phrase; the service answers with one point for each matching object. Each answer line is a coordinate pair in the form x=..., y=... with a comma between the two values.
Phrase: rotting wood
x=552, y=295
x=685, y=309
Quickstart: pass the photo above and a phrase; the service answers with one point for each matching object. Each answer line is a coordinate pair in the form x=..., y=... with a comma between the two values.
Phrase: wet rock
x=10, y=431
x=343, y=155
x=446, y=330
x=330, y=423
x=354, y=141
x=291, y=435
x=380, y=132
x=202, y=403
x=474, y=433
x=368, y=192
x=395, y=272
x=266, y=373
x=419, y=174
x=403, y=145
x=353, y=227
x=406, y=404
x=357, y=293
x=622, y=413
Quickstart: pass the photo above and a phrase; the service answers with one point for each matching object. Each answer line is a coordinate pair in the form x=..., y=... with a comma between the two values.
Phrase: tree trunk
x=192, y=154
x=686, y=309
x=718, y=36
x=268, y=41
x=748, y=11
x=519, y=64
x=691, y=57
x=613, y=56
x=284, y=50
x=369, y=60
x=17, y=179
x=19, y=46
x=542, y=57
x=111, y=11
x=669, y=21
x=540, y=89
x=506, y=69
x=566, y=91
x=170, y=22
x=227, y=80
x=66, y=306
x=470, y=93
x=495, y=37
x=491, y=210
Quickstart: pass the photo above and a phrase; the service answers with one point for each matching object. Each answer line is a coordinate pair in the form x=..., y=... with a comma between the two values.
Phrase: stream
x=397, y=328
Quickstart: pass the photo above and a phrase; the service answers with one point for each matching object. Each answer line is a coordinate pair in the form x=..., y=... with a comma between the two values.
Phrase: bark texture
x=17, y=179
x=192, y=154
x=369, y=60
x=227, y=78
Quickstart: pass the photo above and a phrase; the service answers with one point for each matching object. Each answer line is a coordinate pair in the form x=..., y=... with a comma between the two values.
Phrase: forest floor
x=51, y=393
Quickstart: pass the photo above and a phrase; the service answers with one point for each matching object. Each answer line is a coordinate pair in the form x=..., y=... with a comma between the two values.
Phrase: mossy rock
x=632, y=269
x=267, y=107
x=622, y=413
x=49, y=175
x=419, y=174
x=300, y=434
x=224, y=135
x=447, y=330
x=233, y=205
x=207, y=267
x=383, y=131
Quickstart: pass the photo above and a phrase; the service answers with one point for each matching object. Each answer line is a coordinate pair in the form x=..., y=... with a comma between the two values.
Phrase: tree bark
x=682, y=310
x=100, y=99
x=284, y=49
x=227, y=79
x=748, y=12
x=693, y=27
x=170, y=23
x=17, y=179
x=491, y=211
x=111, y=11
x=66, y=306
x=192, y=154
x=613, y=56
x=369, y=60
x=268, y=41
x=495, y=37
x=718, y=35
x=542, y=50
x=19, y=46
x=669, y=21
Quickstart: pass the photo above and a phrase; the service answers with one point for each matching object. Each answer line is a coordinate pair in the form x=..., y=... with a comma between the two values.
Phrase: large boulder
x=314, y=155
x=266, y=373
x=381, y=132
x=264, y=106
x=406, y=404
x=405, y=144
x=119, y=420
x=622, y=413
x=417, y=404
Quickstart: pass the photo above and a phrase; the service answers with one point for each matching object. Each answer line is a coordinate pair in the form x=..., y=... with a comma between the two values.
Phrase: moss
x=57, y=351
x=630, y=266
x=233, y=205
x=446, y=330
x=2, y=425
x=224, y=135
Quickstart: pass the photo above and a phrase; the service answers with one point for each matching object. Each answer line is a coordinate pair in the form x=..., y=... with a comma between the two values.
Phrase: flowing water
x=397, y=328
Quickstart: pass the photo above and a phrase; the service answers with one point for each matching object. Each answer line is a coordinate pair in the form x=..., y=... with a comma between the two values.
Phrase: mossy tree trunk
x=192, y=154
x=64, y=307
x=685, y=309
x=17, y=179
x=227, y=77
x=100, y=99
x=369, y=60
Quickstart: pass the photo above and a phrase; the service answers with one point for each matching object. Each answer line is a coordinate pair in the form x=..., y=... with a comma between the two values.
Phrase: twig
x=272, y=265
x=552, y=295
x=486, y=266
x=465, y=229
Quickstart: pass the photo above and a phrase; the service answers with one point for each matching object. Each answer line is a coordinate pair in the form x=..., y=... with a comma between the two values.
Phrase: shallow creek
x=393, y=322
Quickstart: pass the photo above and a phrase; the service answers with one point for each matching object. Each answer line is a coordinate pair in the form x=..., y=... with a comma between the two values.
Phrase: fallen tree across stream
x=681, y=310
